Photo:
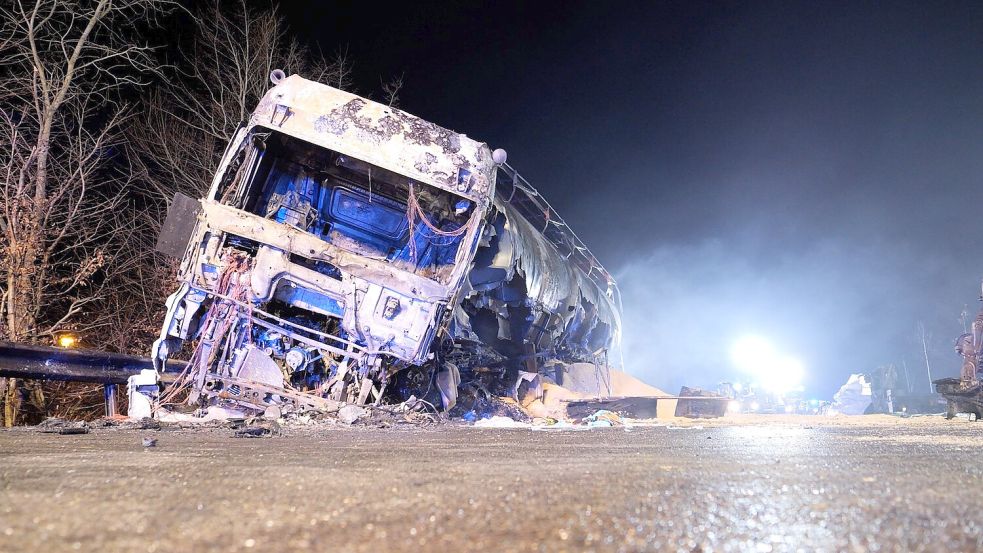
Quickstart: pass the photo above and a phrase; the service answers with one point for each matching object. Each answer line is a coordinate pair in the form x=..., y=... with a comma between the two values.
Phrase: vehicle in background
x=965, y=394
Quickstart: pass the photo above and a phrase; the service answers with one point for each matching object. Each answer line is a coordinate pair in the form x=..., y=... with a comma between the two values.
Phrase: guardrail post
x=110, y=391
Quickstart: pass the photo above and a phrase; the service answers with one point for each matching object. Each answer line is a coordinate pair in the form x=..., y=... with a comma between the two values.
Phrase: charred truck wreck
x=351, y=252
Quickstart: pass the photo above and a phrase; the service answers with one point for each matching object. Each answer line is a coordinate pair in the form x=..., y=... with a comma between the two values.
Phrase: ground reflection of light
x=772, y=439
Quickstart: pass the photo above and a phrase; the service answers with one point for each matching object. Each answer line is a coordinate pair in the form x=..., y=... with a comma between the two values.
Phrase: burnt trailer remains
x=351, y=252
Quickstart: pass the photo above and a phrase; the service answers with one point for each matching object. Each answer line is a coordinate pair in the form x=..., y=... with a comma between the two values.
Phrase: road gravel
x=739, y=484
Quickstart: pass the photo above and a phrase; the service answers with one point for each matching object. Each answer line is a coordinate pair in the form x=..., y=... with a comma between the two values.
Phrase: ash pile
x=566, y=396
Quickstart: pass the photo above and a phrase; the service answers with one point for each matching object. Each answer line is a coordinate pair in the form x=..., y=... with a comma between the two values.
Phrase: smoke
x=841, y=307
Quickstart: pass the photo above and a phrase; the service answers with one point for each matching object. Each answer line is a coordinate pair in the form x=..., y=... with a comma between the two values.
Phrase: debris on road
x=55, y=425
x=500, y=422
x=853, y=397
x=257, y=428
x=961, y=397
x=74, y=430
x=631, y=407
x=691, y=407
x=604, y=418
x=350, y=413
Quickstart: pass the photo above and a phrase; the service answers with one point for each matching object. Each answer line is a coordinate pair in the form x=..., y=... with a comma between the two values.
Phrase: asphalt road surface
x=767, y=484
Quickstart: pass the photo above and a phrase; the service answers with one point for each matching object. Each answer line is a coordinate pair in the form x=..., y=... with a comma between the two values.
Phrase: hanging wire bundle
x=414, y=211
x=221, y=316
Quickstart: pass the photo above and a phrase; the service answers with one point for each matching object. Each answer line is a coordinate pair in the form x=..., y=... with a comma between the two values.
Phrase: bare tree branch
x=63, y=66
x=391, y=89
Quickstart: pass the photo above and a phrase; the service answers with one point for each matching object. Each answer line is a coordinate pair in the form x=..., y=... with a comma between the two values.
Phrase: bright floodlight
x=775, y=371
x=750, y=352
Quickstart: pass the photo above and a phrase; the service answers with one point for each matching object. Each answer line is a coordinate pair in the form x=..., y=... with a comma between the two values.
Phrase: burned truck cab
x=336, y=233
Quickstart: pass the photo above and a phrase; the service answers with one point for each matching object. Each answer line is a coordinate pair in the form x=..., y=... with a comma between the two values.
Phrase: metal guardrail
x=75, y=365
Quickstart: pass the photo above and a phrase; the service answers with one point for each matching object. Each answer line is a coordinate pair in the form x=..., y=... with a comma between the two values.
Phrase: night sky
x=808, y=173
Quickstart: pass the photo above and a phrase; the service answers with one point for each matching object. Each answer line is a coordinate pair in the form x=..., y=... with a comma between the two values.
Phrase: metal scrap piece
x=54, y=425
x=262, y=395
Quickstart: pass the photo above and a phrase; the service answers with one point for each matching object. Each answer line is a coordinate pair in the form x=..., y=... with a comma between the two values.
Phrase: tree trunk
x=25, y=242
x=11, y=403
x=3, y=400
x=44, y=144
x=38, y=399
x=24, y=249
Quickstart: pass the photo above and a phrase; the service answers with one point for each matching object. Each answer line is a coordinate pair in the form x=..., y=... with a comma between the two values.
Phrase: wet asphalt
x=796, y=484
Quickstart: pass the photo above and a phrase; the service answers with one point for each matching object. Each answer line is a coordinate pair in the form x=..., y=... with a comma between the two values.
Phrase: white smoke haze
x=684, y=307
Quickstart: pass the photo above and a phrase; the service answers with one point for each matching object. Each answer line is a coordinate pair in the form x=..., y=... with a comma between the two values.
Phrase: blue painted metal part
x=312, y=300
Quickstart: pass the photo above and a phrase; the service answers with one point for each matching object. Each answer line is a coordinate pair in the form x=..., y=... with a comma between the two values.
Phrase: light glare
x=67, y=340
x=777, y=372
